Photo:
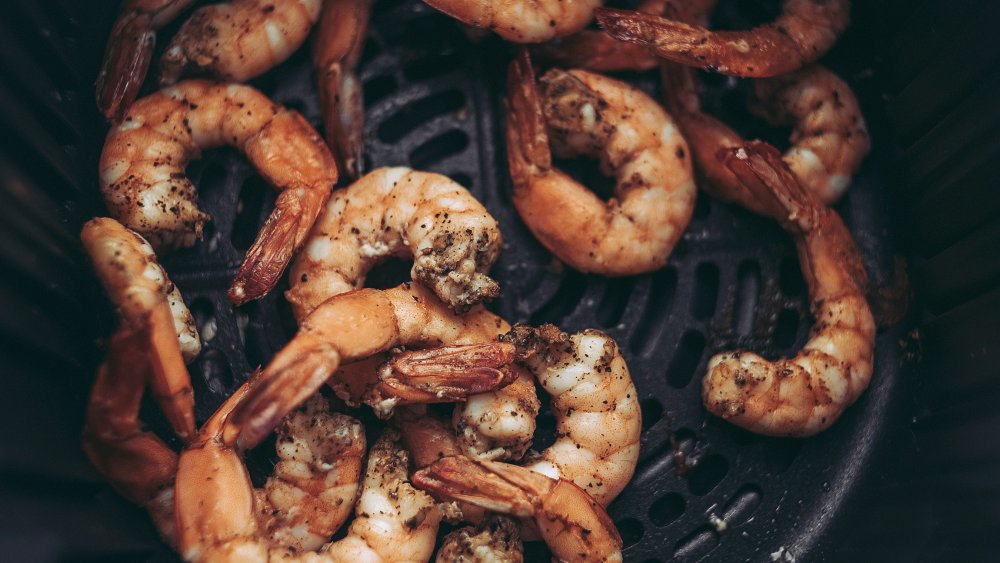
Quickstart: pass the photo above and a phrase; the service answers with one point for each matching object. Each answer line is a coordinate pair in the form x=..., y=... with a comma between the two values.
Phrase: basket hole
x=790, y=280
x=212, y=180
x=702, y=205
x=653, y=321
x=369, y=51
x=779, y=454
x=248, y=208
x=378, y=88
x=433, y=66
x=545, y=430
x=203, y=312
x=707, y=474
x=706, y=290
x=615, y=300
x=631, y=531
x=666, y=509
x=389, y=273
x=295, y=104
x=697, y=544
x=786, y=328
x=565, y=301
x=215, y=371
x=743, y=504
x=747, y=294
x=652, y=411
x=587, y=172
x=439, y=148
x=462, y=179
x=686, y=358
x=419, y=112
x=254, y=353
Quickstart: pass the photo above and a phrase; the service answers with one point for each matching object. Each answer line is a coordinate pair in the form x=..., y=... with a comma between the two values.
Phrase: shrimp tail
x=681, y=40
x=527, y=140
x=295, y=374
x=283, y=233
x=342, y=103
x=126, y=61
x=482, y=483
x=169, y=379
x=760, y=169
x=445, y=374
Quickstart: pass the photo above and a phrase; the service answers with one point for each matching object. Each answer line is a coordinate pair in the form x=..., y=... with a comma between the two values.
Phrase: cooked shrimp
x=595, y=404
x=499, y=425
x=130, y=48
x=144, y=295
x=522, y=21
x=239, y=39
x=136, y=462
x=357, y=325
x=829, y=136
x=145, y=187
x=496, y=539
x=217, y=516
x=340, y=38
x=452, y=238
x=803, y=395
x=574, y=525
x=803, y=33
x=589, y=114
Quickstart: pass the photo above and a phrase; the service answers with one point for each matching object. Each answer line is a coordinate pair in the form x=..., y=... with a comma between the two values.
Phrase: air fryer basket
x=434, y=102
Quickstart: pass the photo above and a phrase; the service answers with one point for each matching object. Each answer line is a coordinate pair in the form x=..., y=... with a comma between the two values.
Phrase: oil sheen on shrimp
x=451, y=237
x=636, y=141
x=804, y=32
x=143, y=180
x=143, y=294
x=239, y=39
x=803, y=395
x=522, y=21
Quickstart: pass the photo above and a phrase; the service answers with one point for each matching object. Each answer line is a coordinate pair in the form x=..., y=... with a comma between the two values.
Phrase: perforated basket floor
x=702, y=487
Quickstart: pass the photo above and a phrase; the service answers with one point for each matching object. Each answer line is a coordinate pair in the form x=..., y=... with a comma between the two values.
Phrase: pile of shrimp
x=433, y=340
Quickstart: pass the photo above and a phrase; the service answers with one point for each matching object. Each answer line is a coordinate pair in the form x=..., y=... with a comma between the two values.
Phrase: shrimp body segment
x=636, y=141
x=340, y=38
x=803, y=395
x=575, y=526
x=497, y=539
x=144, y=295
x=239, y=39
x=143, y=181
x=804, y=32
x=499, y=425
x=400, y=212
x=598, y=419
x=522, y=21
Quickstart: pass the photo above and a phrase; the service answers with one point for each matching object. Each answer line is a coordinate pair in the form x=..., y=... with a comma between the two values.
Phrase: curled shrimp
x=144, y=184
x=496, y=539
x=829, y=136
x=803, y=395
x=595, y=404
x=804, y=32
x=144, y=295
x=573, y=525
x=340, y=38
x=220, y=516
x=359, y=324
x=452, y=238
x=129, y=51
x=522, y=21
x=238, y=40
x=499, y=424
x=636, y=141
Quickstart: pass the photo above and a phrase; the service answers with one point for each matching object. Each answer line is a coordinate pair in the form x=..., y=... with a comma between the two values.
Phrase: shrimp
x=144, y=295
x=139, y=465
x=400, y=212
x=829, y=137
x=803, y=395
x=499, y=425
x=217, y=509
x=239, y=39
x=129, y=51
x=636, y=141
x=598, y=419
x=359, y=324
x=574, y=525
x=145, y=187
x=522, y=21
x=804, y=32
x=340, y=38
x=495, y=540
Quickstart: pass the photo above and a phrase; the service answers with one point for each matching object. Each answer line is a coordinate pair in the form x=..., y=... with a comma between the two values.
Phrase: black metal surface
x=433, y=100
